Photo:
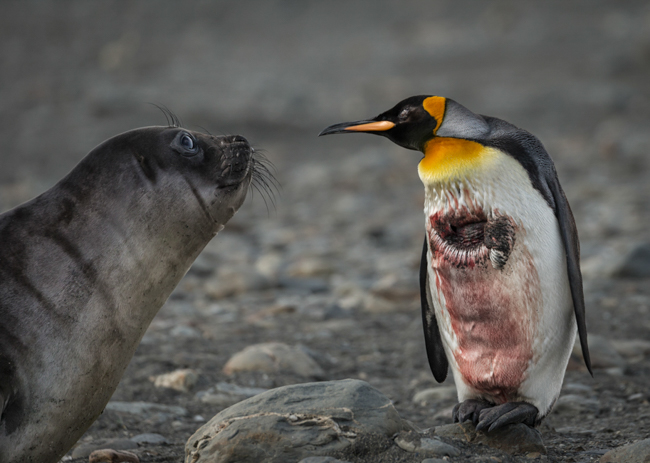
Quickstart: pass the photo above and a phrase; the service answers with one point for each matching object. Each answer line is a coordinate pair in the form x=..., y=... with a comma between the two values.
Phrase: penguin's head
x=415, y=121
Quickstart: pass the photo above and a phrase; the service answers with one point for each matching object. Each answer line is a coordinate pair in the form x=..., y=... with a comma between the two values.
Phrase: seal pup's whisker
x=172, y=119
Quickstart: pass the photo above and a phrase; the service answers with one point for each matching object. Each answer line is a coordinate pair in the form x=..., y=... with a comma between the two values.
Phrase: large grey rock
x=294, y=422
x=639, y=452
x=517, y=438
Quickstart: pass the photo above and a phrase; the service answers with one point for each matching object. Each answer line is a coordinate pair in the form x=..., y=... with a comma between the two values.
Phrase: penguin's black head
x=415, y=121
x=411, y=123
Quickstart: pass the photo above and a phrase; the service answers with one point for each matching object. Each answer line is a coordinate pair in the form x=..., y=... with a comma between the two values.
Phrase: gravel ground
x=332, y=266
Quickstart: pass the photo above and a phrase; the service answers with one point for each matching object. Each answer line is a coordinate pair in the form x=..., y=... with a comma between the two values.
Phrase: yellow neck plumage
x=449, y=159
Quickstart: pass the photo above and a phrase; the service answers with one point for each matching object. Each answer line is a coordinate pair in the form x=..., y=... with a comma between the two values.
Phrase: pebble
x=146, y=408
x=85, y=449
x=226, y=394
x=231, y=281
x=310, y=267
x=321, y=460
x=413, y=442
x=632, y=348
x=179, y=380
x=639, y=452
x=295, y=422
x=517, y=438
x=636, y=263
x=435, y=394
x=603, y=354
x=434, y=460
x=112, y=456
x=274, y=357
x=574, y=403
x=376, y=304
x=150, y=438
x=184, y=331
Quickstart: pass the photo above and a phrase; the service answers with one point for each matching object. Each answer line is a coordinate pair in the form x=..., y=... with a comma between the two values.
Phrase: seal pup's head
x=167, y=163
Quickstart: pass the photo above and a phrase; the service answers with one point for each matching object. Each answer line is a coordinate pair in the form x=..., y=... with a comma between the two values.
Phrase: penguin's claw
x=507, y=413
x=470, y=410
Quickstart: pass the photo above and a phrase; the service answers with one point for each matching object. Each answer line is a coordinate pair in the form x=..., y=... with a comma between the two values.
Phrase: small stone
x=321, y=460
x=573, y=403
x=516, y=438
x=219, y=399
x=241, y=391
x=146, y=408
x=231, y=281
x=575, y=430
x=631, y=348
x=269, y=265
x=435, y=394
x=639, y=452
x=636, y=264
x=179, y=380
x=310, y=267
x=437, y=447
x=533, y=455
x=375, y=304
x=184, y=331
x=310, y=285
x=414, y=442
x=150, y=438
x=577, y=388
x=434, y=460
x=273, y=357
x=112, y=456
x=603, y=354
x=88, y=448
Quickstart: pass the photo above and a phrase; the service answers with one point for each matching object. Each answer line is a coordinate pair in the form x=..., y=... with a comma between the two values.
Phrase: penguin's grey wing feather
x=435, y=352
x=569, y=234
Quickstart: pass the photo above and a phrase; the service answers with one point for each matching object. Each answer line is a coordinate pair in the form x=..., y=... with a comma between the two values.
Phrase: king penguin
x=500, y=282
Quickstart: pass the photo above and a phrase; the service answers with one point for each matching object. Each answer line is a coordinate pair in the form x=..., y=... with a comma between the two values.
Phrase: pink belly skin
x=493, y=314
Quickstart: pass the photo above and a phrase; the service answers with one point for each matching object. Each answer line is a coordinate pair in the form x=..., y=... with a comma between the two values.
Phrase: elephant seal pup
x=85, y=266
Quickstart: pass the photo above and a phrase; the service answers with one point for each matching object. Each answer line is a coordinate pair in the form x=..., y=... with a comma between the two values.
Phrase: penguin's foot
x=470, y=410
x=507, y=413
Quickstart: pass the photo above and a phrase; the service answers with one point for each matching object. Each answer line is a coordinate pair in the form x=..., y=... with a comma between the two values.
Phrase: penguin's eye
x=404, y=114
x=187, y=142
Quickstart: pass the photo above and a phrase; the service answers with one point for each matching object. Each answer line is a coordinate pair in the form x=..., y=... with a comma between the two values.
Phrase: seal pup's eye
x=185, y=144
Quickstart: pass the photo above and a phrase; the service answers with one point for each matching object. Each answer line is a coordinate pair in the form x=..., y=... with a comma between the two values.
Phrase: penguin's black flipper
x=569, y=234
x=435, y=352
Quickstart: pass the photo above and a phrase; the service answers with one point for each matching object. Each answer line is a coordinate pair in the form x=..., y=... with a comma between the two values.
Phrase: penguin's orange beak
x=358, y=126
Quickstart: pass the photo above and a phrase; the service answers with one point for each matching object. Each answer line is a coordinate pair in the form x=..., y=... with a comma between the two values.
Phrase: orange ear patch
x=435, y=106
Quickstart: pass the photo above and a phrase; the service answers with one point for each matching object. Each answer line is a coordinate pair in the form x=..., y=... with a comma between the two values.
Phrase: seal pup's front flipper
x=435, y=352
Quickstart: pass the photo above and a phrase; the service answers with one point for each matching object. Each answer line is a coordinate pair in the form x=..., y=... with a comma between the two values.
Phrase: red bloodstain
x=492, y=312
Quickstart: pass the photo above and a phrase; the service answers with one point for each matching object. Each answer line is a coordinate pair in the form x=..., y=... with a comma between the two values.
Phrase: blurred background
x=333, y=265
